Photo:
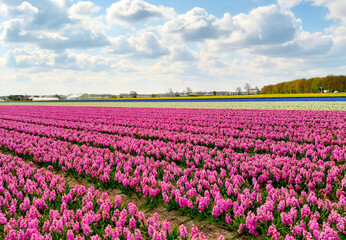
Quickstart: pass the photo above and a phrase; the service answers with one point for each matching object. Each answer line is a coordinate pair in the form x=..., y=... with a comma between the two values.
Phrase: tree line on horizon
x=313, y=85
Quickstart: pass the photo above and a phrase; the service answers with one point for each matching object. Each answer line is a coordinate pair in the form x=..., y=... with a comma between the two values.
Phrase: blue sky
x=71, y=46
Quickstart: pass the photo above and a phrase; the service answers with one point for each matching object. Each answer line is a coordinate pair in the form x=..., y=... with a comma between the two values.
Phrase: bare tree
x=238, y=90
x=133, y=94
x=170, y=92
x=247, y=87
x=188, y=90
x=258, y=90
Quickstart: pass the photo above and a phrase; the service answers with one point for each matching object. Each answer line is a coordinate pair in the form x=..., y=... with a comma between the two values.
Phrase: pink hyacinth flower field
x=260, y=174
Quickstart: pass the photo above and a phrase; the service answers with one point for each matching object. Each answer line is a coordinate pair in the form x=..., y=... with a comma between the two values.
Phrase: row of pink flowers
x=36, y=204
x=259, y=169
x=195, y=124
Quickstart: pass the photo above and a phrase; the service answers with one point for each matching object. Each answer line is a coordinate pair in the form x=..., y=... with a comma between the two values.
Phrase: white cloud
x=13, y=31
x=287, y=4
x=27, y=8
x=304, y=45
x=53, y=39
x=82, y=9
x=76, y=36
x=196, y=25
x=25, y=58
x=125, y=67
x=22, y=78
x=180, y=53
x=61, y=3
x=262, y=26
x=337, y=8
x=73, y=36
x=46, y=60
x=59, y=32
x=266, y=25
x=126, y=12
x=3, y=9
x=143, y=45
x=82, y=61
x=51, y=15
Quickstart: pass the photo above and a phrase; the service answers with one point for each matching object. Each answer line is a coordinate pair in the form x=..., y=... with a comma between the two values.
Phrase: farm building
x=75, y=96
x=45, y=98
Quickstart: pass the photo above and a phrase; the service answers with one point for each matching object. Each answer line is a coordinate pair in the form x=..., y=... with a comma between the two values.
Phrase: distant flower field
x=271, y=174
x=290, y=105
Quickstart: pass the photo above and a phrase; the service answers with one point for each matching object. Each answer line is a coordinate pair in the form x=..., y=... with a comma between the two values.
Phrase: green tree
x=313, y=85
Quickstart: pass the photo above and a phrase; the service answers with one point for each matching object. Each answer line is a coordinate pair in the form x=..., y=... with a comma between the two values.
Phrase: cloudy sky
x=104, y=46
